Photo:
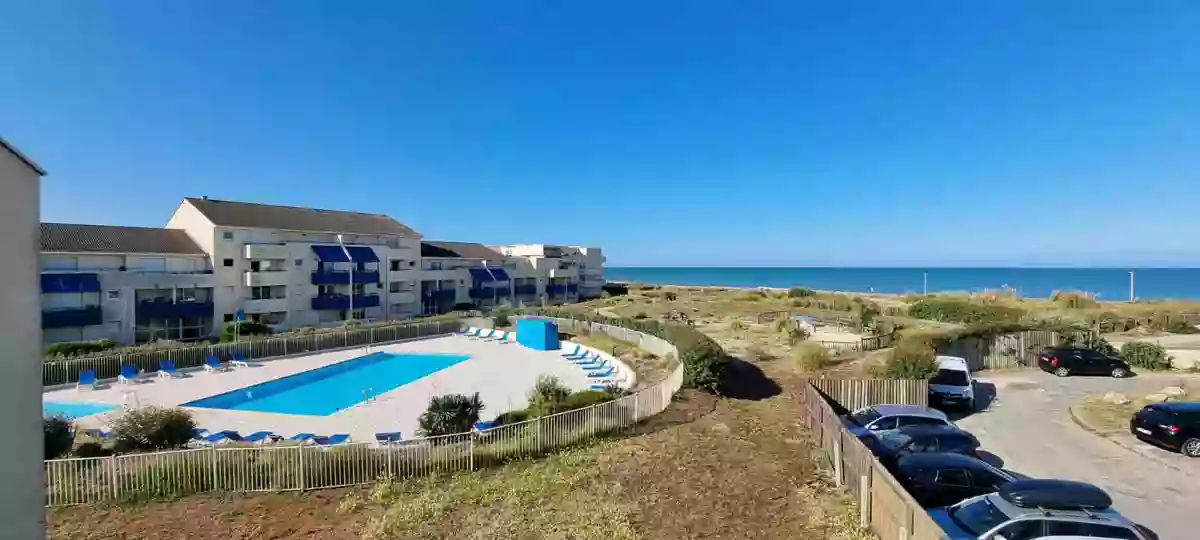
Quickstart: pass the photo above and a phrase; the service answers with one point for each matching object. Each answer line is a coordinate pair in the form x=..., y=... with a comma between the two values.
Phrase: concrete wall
x=21, y=491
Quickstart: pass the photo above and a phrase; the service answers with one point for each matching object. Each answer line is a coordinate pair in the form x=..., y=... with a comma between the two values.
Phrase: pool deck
x=502, y=373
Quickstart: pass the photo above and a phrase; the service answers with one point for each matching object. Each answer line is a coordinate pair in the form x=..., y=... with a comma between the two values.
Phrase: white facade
x=21, y=496
x=555, y=264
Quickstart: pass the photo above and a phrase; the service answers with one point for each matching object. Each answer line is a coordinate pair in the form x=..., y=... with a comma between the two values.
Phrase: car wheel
x=1191, y=447
x=1120, y=372
x=1062, y=372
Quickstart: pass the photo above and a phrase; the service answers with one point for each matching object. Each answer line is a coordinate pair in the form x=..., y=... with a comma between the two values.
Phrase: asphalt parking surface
x=1028, y=425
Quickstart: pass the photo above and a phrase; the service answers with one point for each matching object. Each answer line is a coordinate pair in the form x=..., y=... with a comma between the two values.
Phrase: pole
x=925, y=283
x=350, y=316
x=1131, y=286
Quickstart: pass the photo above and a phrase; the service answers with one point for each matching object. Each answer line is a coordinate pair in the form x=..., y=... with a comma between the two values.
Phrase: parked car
x=1174, y=425
x=952, y=385
x=1064, y=361
x=892, y=445
x=942, y=479
x=882, y=418
x=1032, y=509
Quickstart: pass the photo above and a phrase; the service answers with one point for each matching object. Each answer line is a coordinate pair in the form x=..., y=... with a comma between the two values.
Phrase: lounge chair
x=336, y=438
x=97, y=433
x=302, y=437
x=212, y=364
x=484, y=425
x=199, y=433
x=489, y=334
x=166, y=369
x=587, y=358
x=87, y=379
x=601, y=374
x=239, y=360
x=464, y=331
x=573, y=352
x=502, y=336
x=392, y=436
x=260, y=437
x=228, y=435
x=129, y=374
x=599, y=364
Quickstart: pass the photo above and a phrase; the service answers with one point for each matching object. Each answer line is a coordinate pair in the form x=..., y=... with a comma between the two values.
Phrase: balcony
x=342, y=301
x=444, y=294
x=166, y=309
x=489, y=292
x=342, y=277
x=266, y=251
x=265, y=305
x=556, y=289
x=527, y=290
x=266, y=278
x=63, y=318
x=69, y=283
x=402, y=297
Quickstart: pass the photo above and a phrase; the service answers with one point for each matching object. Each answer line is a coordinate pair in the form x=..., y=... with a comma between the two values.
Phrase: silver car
x=879, y=419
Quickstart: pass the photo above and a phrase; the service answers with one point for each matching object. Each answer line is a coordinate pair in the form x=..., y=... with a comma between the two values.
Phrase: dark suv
x=1175, y=425
x=1064, y=361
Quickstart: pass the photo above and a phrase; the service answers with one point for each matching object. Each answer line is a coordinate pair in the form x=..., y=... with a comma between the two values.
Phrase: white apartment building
x=285, y=267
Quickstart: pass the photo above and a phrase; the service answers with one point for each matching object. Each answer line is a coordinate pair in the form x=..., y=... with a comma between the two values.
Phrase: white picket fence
x=291, y=467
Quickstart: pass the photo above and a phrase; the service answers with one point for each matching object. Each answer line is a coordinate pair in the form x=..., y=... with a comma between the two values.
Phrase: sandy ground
x=502, y=373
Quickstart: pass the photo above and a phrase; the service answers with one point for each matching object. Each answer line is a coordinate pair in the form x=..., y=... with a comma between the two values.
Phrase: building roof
x=76, y=238
x=462, y=250
x=5, y=145
x=295, y=218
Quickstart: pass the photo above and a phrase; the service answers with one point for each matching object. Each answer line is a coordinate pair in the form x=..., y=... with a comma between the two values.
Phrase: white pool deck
x=502, y=373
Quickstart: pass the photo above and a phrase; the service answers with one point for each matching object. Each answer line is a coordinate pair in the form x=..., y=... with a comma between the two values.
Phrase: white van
x=952, y=385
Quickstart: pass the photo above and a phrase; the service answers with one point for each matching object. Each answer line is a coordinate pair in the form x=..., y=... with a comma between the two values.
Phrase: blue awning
x=330, y=254
x=481, y=275
x=362, y=254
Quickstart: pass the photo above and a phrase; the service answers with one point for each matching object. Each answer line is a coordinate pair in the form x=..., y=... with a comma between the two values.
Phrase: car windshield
x=950, y=377
x=893, y=440
x=978, y=517
x=865, y=416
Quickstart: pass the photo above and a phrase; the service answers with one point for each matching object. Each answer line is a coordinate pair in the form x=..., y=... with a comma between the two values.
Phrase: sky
x=686, y=132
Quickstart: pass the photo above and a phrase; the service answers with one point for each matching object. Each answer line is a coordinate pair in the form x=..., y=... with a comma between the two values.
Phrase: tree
x=58, y=438
x=243, y=330
x=450, y=414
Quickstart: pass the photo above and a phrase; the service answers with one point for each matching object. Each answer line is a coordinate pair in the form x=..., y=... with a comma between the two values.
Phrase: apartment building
x=567, y=273
x=288, y=266
x=128, y=284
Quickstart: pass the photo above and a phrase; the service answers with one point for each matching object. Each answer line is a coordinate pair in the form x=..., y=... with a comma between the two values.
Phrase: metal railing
x=291, y=467
x=67, y=371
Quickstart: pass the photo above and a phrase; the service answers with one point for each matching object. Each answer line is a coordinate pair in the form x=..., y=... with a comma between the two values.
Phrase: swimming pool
x=329, y=389
x=74, y=409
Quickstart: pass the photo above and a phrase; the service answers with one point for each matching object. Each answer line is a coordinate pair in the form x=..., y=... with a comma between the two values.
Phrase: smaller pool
x=74, y=409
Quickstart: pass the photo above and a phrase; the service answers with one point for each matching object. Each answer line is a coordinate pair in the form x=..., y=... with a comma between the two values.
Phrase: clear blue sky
x=674, y=133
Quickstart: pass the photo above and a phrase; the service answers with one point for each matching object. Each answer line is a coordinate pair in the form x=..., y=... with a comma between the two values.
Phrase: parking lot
x=1028, y=425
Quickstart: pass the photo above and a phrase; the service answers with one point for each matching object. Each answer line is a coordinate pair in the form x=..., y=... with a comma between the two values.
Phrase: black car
x=940, y=479
x=892, y=445
x=1064, y=361
x=1174, y=425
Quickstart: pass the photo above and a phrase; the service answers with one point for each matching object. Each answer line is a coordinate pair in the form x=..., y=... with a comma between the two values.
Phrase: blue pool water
x=74, y=409
x=329, y=389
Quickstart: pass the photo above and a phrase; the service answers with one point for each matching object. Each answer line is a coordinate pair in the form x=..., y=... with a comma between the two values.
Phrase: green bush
x=244, y=330
x=91, y=449
x=962, y=311
x=1151, y=356
x=546, y=395
x=500, y=318
x=669, y=296
x=58, y=436
x=585, y=398
x=77, y=348
x=450, y=414
x=640, y=315
x=512, y=417
x=1182, y=327
x=752, y=296
x=796, y=335
x=812, y=357
x=152, y=428
x=800, y=292
x=1074, y=299
x=912, y=358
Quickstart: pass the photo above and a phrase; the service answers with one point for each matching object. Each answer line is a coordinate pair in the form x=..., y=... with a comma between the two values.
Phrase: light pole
x=925, y=283
x=348, y=258
x=1131, y=286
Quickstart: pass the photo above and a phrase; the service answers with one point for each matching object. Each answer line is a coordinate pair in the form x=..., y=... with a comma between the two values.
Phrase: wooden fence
x=854, y=394
x=1012, y=350
x=884, y=506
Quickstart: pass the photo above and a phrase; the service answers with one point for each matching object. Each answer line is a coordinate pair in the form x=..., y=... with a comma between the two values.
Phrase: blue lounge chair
x=166, y=369
x=129, y=374
x=227, y=435
x=586, y=359
x=87, y=379
x=239, y=360
x=598, y=387
x=392, y=436
x=199, y=433
x=463, y=332
x=573, y=352
x=484, y=425
x=489, y=334
x=502, y=336
x=260, y=437
x=595, y=366
x=212, y=364
x=601, y=374
x=336, y=438
x=97, y=433
x=302, y=437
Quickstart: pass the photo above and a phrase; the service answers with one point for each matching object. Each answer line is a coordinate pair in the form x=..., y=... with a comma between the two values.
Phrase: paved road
x=1028, y=425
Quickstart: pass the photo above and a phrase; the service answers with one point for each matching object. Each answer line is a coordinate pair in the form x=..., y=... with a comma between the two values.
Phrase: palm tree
x=449, y=414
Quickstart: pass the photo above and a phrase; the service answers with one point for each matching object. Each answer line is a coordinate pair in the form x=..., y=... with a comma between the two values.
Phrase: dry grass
x=1106, y=418
x=649, y=367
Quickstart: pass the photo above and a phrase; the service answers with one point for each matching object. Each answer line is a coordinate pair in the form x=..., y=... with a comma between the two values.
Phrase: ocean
x=1106, y=283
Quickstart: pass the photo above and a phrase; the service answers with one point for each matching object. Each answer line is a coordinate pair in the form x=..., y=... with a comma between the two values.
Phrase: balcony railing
x=166, y=309
x=63, y=318
x=342, y=301
x=490, y=292
x=342, y=277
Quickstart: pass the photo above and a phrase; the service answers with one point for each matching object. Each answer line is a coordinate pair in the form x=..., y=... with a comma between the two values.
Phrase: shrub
x=450, y=414
x=796, y=335
x=912, y=358
x=584, y=398
x=512, y=417
x=1074, y=299
x=500, y=318
x=800, y=292
x=244, y=330
x=1151, y=356
x=152, y=428
x=57, y=436
x=614, y=289
x=76, y=348
x=640, y=315
x=669, y=296
x=705, y=364
x=752, y=296
x=1182, y=327
x=961, y=311
x=812, y=357
x=546, y=395
x=866, y=317
x=91, y=449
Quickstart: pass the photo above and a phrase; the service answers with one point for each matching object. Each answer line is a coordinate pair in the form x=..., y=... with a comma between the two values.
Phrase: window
x=395, y=286
x=955, y=444
x=260, y=293
x=299, y=262
x=950, y=377
x=920, y=421
x=884, y=423
x=412, y=263
x=1026, y=529
x=360, y=314
x=228, y=235
x=228, y=263
x=978, y=517
x=953, y=477
x=395, y=265
x=114, y=295
x=987, y=479
x=1092, y=530
x=924, y=444
x=228, y=317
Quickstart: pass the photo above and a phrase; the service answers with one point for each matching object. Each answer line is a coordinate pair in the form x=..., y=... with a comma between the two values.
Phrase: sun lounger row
x=166, y=369
x=488, y=334
x=600, y=370
x=205, y=437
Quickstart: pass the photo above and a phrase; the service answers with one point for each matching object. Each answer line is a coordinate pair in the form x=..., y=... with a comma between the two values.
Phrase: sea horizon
x=1106, y=283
